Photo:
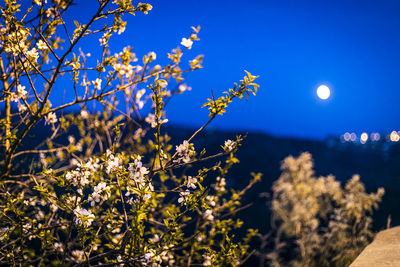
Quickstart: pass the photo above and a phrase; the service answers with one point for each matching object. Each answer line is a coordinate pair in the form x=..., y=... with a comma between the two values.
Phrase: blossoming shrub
x=104, y=185
x=316, y=221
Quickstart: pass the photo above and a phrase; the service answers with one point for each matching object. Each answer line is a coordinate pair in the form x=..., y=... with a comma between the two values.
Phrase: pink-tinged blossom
x=191, y=182
x=229, y=145
x=220, y=185
x=184, y=195
x=51, y=118
x=208, y=215
x=185, y=152
x=152, y=120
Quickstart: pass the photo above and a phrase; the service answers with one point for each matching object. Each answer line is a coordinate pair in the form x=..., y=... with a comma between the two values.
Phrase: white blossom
x=81, y=175
x=41, y=45
x=208, y=215
x=113, y=162
x=53, y=207
x=183, y=197
x=100, y=192
x=121, y=29
x=60, y=154
x=17, y=41
x=139, y=133
x=137, y=172
x=59, y=247
x=211, y=200
x=155, y=238
x=33, y=55
x=152, y=56
x=51, y=12
x=191, y=182
x=20, y=93
x=138, y=97
x=124, y=69
x=228, y=145
x=167, y=256
x=151, y=257
x=220, y=185
x=73, y=200
x=187, y=43
x=79, y=255
x=92, y=165
x=185, y=152
x=51, y=118
x=21, y=107
x=3, y=232
x=148, y=256
x=83, y=216
x=39, y=2
x=146, y=197
x=97, y=83
x=207, y=260
x=152, y=120
x=119, y=258
x=103, y=40
x=39, y=215
x=71, y=139
x=84, y=114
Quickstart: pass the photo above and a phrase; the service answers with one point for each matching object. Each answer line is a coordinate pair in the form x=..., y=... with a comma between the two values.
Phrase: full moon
x=323, y=92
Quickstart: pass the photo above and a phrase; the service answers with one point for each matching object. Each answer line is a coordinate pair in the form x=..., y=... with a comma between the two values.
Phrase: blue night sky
x=352, y=46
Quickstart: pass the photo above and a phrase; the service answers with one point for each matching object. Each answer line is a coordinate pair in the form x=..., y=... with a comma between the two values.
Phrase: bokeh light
x=364, y=138
x=394, y=136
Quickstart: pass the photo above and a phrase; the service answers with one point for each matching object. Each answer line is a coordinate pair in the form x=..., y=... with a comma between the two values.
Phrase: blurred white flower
x=83, y=216
x=97, y=83
x=183, y=87
x=183, y=197
x=20, y=93
x=191, y=183
x=208, y=215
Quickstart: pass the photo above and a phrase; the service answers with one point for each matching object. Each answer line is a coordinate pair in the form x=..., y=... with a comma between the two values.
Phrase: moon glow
x=323, y=92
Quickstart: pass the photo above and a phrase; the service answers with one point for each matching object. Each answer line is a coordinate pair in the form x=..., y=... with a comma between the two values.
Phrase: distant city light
x=375, y=137
x=394, y=136
x=346, y=137
x=323, y=92
x=364, y=138
x=353, y=137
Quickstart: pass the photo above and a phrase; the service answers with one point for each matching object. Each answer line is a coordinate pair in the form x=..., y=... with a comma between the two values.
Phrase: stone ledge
x=383, y=251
